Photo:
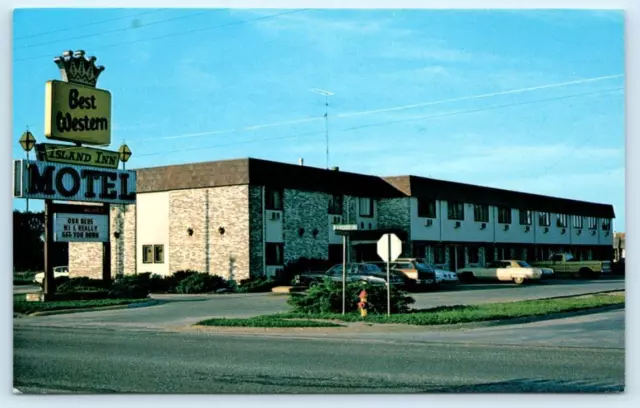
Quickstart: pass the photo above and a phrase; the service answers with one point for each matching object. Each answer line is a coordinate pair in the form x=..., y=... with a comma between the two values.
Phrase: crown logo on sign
x=74, y=67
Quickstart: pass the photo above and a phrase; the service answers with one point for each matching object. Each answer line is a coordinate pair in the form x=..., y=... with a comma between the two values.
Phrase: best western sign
x=77, y=155
x=77, y=113
x=58, y=181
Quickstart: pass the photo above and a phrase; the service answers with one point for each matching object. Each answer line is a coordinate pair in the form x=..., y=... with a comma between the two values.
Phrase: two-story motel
x=247, y=217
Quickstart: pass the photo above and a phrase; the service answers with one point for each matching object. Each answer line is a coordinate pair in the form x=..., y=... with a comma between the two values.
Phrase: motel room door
x=456, y=258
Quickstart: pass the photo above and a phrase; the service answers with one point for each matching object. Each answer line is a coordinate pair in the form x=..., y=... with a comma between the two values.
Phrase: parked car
x=504, y=270
x=443, y=276
x=356, y=272
x=414, y=271
x=566, y=264
x=58, y=271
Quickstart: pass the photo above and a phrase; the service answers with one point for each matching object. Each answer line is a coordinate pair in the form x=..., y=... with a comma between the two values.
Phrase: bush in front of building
x=302, y=265
x=261, y=284
x=201, y=283
x=80, y=284
x=327, y=298
x=130, y=287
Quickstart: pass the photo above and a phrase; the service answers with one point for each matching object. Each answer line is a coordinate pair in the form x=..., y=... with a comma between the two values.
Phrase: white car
x=445, y=277
x=58, y=271
x=504, y=270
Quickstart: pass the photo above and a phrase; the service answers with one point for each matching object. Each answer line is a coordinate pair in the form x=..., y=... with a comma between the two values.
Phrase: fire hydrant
x=362, y=305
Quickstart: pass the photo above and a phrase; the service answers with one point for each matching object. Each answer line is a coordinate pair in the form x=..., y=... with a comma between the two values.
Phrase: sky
x=527, y=100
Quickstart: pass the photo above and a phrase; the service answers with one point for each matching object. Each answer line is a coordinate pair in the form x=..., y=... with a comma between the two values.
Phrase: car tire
x=586, y=273
x=466, y=277
x=519, y=280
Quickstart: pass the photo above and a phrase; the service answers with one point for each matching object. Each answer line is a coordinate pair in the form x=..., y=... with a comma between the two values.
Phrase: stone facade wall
x=256, y=232
x=219, y=218
x=189, y=210
x=123, y=248
x=85, y=258
x=306, y=210
x=396, y=213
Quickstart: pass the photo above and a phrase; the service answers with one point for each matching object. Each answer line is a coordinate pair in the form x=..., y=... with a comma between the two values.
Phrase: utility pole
x=326, y=117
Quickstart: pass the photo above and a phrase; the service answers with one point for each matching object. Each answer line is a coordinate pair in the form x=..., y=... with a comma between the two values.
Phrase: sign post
x=389, y=249
x=344, y=230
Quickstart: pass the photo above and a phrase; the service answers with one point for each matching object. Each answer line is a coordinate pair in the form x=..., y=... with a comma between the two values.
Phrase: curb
x=91, y=309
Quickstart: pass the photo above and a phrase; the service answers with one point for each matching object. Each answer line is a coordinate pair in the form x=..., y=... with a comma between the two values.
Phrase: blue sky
x=188, y=83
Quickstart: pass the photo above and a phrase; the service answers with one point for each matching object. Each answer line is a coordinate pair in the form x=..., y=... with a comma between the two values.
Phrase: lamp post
x=27, y=141
x=326, y=116
x=125, y=153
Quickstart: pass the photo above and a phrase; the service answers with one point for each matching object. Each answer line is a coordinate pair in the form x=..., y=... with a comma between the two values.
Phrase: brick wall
x=307, y=210
x=256, y=232
x=85, y=258
x=206, y=211
x=396, y=213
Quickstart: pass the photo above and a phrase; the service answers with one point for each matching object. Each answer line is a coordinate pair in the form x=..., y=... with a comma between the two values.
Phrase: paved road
x=182, y=311
x=94, y=360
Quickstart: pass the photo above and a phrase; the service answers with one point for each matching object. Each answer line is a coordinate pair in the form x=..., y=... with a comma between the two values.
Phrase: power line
x=461, y=112
x=86, y=25
x=344, y=115
x=179, y=33
x=111, y=31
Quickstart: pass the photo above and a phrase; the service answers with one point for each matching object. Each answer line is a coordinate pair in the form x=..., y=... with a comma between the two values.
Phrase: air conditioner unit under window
x=483, y=225
x=579, y=232
x=506, y=227
x=275, y=216
x=564, y=230
x=546, y=229
x=527, y=228
x=458, y=224
x=429, y=223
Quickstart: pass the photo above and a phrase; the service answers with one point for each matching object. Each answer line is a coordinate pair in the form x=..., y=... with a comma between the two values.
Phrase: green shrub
x=257, y=285
x=80, y=284
x=327, y=298
x=201, y=283
x=170, y=283
x=82, y=295
x=130, y=287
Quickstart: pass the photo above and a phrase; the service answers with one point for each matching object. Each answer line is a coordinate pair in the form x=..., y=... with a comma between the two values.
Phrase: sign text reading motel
x=58, y=181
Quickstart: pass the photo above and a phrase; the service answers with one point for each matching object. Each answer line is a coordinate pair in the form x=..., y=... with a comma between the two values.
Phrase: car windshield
x=423, y=266
x=371, y=268
x=523, y=264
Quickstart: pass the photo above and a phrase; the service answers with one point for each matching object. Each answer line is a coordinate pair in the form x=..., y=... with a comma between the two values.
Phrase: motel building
x=248, y=217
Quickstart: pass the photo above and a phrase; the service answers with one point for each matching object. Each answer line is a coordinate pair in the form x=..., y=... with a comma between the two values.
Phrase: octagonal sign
x=389, y=247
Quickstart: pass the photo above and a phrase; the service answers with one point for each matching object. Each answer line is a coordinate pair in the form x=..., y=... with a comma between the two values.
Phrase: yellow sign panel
x=77, y=113
x=77, y=155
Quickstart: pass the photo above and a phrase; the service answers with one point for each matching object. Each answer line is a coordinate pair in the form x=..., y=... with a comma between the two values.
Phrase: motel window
x=426, y=208
x=525, y=217
x=274, y=254
x=504, y=215
x=474, y=255
x=336, y=204
x=273, y=198
x=481, y=213
x=544, y=219
x=606, y=225
x=455, y=210
x=158, y=253
x=439, y=255
x=561, y=221
x=365, y=207
x=578, y=221
x=147, y=254
x=593, y=222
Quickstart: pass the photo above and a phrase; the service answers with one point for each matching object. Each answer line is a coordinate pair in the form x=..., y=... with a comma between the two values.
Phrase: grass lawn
x=266, y=321
x=20, y=305
x=435, y=316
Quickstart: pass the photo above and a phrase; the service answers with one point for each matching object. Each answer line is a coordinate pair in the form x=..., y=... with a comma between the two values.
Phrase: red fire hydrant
x=362, y=305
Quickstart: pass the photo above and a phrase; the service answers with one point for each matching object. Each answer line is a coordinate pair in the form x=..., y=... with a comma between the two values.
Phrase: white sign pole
x=388, y=276
x=344, y=272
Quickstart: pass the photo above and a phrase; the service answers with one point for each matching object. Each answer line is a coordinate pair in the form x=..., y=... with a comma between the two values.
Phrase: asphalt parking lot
x=182, y=310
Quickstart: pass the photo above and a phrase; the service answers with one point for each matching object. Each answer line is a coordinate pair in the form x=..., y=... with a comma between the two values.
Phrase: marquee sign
x=64, y=182
x=77, y=155
x=80, y=227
